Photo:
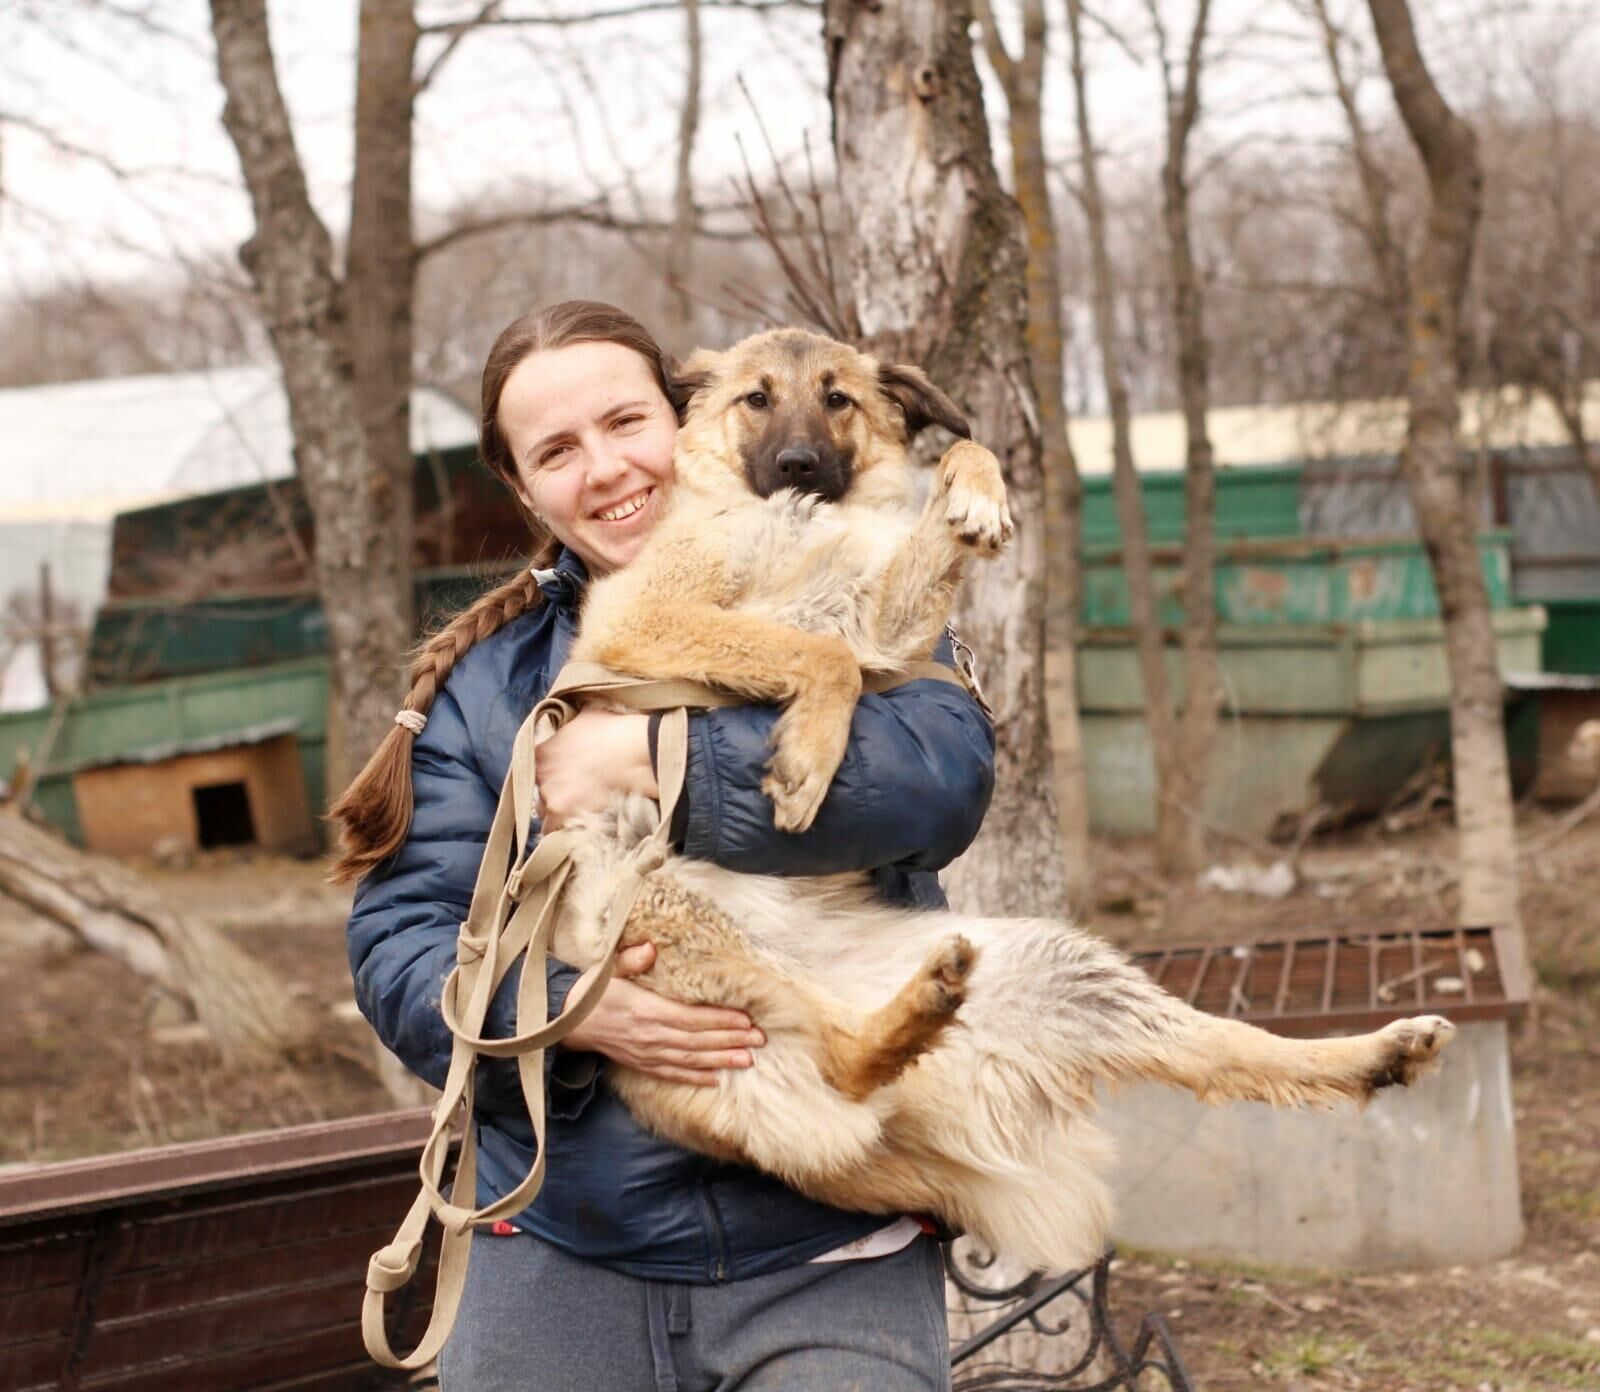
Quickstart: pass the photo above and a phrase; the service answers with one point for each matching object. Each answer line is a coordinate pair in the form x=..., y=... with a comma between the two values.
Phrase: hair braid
x=375, y=812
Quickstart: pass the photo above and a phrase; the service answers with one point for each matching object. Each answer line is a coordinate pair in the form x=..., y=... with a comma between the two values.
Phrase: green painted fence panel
x=1251, y=502
x=1572, y=640
x=1281, y=583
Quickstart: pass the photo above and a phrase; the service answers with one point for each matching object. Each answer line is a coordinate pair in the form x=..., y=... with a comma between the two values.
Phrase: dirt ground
x=86, y=1067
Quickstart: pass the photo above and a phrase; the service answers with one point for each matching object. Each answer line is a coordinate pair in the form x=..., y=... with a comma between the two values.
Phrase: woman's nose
x=606, y=461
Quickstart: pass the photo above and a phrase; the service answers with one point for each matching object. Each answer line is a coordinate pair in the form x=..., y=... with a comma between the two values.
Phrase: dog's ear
x=691, y=379
x=922, y=403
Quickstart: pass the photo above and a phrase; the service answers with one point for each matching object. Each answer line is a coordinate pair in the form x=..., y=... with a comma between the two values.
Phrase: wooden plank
x=78, y=1185
x=260, y=1220
x=239, y=1369
x=30, y=1314
x=1200, y=975
x=32, y=1366
x=157, y=1290
x=254, y=1320
x=1283, y=980
x=1328, y=968
x=42, y=1255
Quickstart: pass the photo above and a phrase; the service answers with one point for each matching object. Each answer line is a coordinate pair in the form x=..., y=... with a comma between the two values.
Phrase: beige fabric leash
x=515, y=904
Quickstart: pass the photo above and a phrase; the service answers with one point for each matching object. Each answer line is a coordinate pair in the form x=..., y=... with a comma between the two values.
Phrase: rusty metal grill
x=1311, y=983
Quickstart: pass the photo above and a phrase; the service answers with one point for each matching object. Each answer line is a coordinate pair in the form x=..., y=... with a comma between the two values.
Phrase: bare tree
x=1022, y=80
x=938, y=271
x=680, y=241
x=363, y=574
x=1431, y=463
x=1125, y=478
x=1180, y=828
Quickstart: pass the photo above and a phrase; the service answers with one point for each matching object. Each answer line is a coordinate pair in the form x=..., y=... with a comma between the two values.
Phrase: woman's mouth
x=626, y=508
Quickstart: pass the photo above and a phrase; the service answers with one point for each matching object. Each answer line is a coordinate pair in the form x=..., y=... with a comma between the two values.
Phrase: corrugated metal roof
x=1242, y=435
x=84, y=451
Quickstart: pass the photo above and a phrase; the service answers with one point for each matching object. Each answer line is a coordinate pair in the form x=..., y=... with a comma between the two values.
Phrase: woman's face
x=591, y=436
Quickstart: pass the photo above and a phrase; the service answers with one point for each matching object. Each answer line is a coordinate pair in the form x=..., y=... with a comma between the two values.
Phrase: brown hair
x=375, y=812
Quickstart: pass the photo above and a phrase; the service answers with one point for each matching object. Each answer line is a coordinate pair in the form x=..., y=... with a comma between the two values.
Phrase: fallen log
x=247, y=1010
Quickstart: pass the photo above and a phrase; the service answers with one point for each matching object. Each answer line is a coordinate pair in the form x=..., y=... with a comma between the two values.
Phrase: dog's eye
x=756, y=401
x=837, y=401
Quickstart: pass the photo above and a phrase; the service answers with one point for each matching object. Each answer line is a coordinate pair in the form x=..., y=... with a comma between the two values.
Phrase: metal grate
x=1312, y=983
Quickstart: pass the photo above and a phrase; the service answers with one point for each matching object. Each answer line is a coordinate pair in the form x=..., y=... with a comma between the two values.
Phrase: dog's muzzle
x=803, y=468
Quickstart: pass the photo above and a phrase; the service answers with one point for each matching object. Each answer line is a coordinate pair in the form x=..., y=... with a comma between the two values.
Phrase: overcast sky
x=520, y=110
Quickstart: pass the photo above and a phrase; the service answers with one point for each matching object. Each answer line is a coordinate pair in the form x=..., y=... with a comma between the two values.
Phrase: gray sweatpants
x=536, y=1320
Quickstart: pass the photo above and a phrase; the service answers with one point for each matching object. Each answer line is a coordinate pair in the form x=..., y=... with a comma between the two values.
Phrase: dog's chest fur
x=814, y=566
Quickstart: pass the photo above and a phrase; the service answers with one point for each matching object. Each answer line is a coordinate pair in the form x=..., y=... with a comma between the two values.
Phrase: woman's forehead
x=565, y=388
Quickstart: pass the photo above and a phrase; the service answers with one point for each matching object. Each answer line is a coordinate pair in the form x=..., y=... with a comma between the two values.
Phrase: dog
x=915, y=1061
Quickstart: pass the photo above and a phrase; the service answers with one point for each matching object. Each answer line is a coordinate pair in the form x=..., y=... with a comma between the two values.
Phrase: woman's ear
x=690, y=380
x=922, y=403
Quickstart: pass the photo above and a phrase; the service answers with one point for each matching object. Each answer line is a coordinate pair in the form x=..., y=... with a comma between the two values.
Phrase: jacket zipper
x=719, y=1235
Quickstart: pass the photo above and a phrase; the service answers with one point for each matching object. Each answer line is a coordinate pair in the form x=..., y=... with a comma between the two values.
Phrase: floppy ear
x=922, y=402
x=691, y=379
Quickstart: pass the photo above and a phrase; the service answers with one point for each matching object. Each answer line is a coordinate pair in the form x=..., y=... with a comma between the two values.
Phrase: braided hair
x=374, y=814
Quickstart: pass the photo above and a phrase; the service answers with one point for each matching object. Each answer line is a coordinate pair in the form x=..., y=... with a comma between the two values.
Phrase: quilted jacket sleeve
x=912, y=790
x=402, y=931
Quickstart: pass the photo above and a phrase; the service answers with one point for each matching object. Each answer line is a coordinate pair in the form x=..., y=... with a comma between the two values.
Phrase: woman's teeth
x=626, y=509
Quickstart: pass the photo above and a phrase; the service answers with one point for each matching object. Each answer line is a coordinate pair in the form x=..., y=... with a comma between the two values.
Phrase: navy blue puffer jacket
x=908, y=799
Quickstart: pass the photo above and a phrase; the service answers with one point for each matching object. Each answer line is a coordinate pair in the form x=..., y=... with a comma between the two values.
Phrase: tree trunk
x=938, y=270
x=1022, y=80
x=245, y=1008
x=1431, y=464
x=1180, y=828
x=1136, y=566
x=361, y=572
x=379, y=278
x=680, y=240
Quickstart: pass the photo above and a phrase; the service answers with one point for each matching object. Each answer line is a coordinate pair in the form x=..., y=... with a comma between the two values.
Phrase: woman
x=640, y=1265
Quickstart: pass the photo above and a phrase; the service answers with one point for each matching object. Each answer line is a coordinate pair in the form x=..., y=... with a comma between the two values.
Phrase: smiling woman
x=701, y=1275
x=591, y=435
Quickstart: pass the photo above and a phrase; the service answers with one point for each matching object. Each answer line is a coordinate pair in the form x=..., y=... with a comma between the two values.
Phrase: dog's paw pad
x=1422, y=1036
x=1412, y=1048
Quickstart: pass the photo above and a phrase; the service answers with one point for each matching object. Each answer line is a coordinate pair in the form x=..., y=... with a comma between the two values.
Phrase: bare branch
x=485, y=15
x=568, y=21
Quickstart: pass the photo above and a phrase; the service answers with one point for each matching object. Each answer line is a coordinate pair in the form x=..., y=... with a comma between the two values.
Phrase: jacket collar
x=563, y=584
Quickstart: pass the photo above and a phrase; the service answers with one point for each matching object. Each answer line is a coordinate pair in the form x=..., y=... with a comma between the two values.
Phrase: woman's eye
x=554, y=456
x=756, y=401
x=837, y=401
x=627, y=420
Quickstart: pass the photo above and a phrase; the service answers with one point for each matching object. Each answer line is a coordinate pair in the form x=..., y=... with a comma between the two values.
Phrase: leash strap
x=515, y=904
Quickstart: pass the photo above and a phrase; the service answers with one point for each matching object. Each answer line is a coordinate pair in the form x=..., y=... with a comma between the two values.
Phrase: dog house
x=241, y=788
x=1422, y=1176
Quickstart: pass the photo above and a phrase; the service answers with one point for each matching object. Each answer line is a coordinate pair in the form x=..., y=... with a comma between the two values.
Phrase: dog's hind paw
x=945, y=975
x=1411, y=1046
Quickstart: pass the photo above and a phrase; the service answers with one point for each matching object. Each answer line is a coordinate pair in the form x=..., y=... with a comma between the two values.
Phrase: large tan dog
x=915, y=1061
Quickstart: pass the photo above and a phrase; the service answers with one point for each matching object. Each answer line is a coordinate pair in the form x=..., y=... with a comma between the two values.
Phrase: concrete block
x=1425, y=1176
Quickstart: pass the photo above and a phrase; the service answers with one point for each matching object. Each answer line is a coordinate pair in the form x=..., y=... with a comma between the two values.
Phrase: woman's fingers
x=635, y=960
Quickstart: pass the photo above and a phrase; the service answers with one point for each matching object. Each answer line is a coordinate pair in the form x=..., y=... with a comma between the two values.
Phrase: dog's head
x=792, y=409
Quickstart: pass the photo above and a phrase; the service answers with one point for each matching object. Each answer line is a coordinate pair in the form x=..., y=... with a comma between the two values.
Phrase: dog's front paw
x=796, y=798
x=1411, y=1048
x=975, y=507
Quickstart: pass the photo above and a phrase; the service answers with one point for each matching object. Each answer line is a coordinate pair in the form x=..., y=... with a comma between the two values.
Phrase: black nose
x=797, y=467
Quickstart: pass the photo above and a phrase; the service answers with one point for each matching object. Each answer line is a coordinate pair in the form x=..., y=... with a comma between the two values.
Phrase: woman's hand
x=665, y=1038
x=594, y=756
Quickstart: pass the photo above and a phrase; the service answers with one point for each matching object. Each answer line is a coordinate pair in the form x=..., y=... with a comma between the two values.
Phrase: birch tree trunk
x=1022, y=80
x=1136, y=567
x=938, y=271
x=1431, y=463
x=362, y=572
x=1180, y=828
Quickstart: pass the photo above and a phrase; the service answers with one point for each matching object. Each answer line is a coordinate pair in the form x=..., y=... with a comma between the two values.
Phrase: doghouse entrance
x=222, y=811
